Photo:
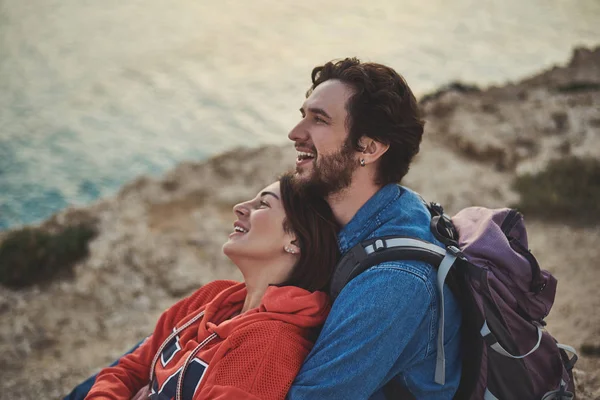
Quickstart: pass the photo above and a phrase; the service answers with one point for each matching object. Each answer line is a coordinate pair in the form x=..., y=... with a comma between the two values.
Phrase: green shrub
x=590, y=350
x=451, y=87
x=32, y=255
x=567, y=190
x=577, y=87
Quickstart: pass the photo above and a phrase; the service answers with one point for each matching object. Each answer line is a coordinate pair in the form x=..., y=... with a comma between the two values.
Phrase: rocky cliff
x=159, y=239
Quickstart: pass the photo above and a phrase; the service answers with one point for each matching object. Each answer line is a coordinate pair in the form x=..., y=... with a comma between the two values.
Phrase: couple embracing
x=277, y=335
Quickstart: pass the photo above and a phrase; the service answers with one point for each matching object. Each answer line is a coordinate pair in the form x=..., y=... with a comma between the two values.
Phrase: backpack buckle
x=379, y=245
x=455, y=251
x=436, y=208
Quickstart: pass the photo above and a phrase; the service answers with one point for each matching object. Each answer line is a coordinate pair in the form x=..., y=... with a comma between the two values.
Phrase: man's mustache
x=305, y=146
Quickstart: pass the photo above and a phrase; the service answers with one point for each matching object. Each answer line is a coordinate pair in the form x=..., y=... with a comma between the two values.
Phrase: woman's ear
x=292, y=247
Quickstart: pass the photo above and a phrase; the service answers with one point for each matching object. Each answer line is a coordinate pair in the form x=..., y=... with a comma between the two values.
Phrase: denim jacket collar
x=366, y=220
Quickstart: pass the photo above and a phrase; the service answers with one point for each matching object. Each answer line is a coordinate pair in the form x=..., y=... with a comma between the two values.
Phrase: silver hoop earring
x=362, y=162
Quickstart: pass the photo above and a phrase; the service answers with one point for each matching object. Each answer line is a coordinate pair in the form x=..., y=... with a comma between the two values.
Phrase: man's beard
x=332, y=173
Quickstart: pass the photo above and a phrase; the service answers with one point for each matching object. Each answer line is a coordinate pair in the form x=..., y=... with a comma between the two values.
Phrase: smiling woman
x=280, y=217
x=259, y=236
x=242, y=340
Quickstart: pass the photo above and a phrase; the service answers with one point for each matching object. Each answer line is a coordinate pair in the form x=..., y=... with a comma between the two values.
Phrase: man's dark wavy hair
x=382, y=107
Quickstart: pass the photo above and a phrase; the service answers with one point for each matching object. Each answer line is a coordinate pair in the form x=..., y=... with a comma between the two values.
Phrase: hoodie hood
x=288, y=304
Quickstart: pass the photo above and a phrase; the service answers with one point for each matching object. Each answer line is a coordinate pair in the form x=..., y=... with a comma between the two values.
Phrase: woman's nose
x=240, y=210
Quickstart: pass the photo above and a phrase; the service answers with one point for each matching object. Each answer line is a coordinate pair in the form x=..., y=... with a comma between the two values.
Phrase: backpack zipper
x=510, y=221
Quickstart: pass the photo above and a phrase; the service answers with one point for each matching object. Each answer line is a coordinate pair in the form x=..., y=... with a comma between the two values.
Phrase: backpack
x=504, y=297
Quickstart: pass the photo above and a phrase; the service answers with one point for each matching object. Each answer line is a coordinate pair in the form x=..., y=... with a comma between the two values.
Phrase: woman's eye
x=264, y=203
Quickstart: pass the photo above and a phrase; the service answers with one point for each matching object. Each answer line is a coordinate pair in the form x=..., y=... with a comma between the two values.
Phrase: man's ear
x=372, y=149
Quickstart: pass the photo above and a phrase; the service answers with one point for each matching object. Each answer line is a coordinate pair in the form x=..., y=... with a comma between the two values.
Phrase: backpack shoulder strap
x=395, y=248
x=379, y=250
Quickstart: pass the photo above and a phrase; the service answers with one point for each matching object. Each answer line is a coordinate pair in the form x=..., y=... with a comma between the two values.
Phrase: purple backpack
x=504, y=297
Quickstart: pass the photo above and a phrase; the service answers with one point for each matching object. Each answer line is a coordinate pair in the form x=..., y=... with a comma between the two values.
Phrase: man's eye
x=320, y=120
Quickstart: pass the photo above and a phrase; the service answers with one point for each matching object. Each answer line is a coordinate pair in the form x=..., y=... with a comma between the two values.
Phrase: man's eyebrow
x=319, y=111
x=271, y=193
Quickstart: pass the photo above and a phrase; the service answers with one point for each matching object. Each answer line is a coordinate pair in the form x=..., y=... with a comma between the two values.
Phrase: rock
x=554, y=114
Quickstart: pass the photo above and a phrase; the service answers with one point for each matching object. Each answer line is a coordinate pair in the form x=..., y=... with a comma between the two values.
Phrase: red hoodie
x=255, y=355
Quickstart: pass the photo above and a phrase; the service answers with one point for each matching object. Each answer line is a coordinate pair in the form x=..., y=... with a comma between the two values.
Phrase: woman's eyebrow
x=271, y=193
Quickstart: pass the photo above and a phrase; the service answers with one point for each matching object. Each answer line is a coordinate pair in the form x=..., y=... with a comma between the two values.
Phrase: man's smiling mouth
x=303, y=156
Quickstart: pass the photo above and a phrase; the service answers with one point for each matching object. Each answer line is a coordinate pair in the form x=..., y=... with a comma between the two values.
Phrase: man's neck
x=346, y=203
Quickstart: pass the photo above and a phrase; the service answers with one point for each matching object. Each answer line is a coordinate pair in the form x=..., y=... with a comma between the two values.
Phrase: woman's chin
x=232, y=249
x=226, y=248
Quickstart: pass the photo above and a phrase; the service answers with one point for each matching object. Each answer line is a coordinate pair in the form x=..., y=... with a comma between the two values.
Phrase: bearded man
x=359, y=130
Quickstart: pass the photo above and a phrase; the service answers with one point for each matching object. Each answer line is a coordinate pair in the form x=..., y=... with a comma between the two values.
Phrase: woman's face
x=258, y=232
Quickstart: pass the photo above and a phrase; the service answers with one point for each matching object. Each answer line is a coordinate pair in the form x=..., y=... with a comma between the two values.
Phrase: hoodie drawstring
x=187, y=363
x=167, y=340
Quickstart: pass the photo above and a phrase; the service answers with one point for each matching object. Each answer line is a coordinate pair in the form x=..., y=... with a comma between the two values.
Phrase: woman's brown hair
x=310, y=218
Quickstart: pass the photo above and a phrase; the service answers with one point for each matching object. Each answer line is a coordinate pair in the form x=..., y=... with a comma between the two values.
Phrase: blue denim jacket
x=384, y=323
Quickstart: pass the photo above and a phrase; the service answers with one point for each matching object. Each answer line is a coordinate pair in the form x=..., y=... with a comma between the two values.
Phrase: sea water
x=95, y=93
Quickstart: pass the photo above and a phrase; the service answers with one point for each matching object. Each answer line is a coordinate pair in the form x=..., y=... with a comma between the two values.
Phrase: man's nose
x=298, y=134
